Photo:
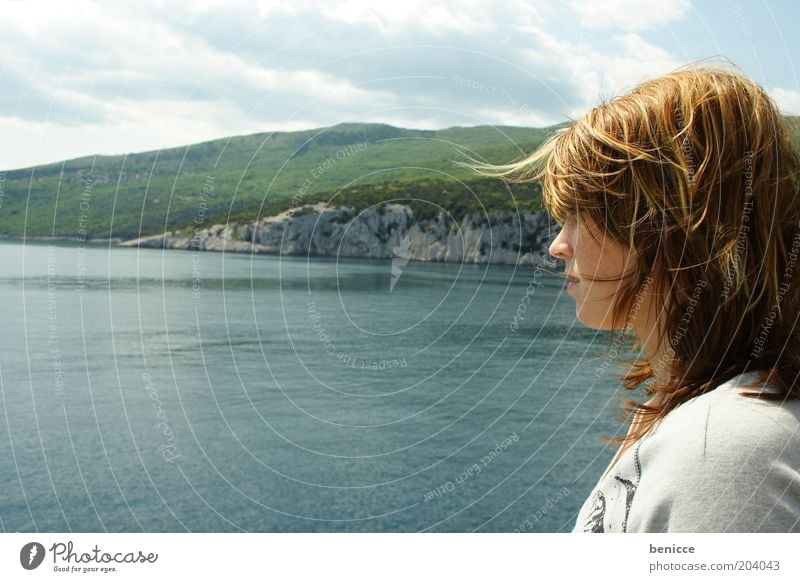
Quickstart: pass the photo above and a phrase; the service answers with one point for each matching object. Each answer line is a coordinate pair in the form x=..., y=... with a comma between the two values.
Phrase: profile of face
x=590, y=253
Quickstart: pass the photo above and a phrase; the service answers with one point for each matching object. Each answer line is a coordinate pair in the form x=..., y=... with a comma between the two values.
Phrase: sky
x=87, y=77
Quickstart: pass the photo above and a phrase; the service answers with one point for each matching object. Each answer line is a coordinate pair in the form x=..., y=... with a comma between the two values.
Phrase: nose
x=560, y=248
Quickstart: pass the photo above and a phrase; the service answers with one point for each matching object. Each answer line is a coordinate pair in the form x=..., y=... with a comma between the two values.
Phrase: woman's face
x=592, y=257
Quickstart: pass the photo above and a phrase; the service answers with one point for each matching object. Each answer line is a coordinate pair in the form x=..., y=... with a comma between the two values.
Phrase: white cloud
x=596, y=74
x=629, y=15
x=788, y=100
x=439, y=18
x=118, y=77
x=636, y=61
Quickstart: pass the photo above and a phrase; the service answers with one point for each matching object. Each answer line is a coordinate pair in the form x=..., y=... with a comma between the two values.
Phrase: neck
x=656, y=349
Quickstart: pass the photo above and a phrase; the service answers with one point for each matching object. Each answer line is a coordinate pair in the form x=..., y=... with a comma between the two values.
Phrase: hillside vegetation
x=257, y=175
x=243, y=178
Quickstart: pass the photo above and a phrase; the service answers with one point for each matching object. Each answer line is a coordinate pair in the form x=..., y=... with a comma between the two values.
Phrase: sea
x=149, y=390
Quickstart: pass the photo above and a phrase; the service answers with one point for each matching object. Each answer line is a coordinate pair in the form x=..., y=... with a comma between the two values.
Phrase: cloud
x=629, y=15
x=788, y=100
x=593, y=74
x=152, y=74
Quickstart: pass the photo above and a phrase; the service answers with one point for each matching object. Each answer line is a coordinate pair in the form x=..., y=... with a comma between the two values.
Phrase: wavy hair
x=697, y=174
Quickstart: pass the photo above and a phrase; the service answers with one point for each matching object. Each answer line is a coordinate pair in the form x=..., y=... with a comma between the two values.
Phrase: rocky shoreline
x=388, y=231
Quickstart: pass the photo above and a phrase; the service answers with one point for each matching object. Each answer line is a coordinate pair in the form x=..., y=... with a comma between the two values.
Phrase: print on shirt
x=596, y=515
x=611, y=503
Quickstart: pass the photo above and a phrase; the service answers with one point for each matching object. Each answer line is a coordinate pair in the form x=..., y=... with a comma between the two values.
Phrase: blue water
x=148, y=390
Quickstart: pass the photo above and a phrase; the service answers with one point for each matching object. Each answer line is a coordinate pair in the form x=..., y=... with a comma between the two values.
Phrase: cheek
x=594, y=304
x=612, y=260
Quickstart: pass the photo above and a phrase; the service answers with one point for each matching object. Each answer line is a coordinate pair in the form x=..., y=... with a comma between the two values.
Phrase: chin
x=595, y=321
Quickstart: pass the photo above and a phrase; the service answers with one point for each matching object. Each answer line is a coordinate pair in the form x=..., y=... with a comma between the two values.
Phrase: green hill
x=244, y=177
x=135, y=194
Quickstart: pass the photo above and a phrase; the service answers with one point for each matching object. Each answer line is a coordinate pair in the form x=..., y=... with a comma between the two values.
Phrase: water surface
x=148, y=390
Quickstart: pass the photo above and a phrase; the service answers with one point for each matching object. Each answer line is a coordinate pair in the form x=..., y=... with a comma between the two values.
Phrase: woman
x=680, y=208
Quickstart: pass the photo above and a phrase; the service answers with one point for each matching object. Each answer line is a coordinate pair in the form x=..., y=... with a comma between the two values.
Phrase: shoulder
x=723, y=422
x=722, y=462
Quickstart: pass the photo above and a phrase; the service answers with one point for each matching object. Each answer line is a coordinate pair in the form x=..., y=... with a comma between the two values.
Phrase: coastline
x=387, y=232
x=91, y=241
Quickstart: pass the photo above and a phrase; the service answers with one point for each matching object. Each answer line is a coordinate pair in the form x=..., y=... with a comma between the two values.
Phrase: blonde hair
x=696, y=173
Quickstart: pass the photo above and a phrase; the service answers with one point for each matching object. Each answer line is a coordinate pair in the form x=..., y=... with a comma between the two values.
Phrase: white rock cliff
x=384, y=232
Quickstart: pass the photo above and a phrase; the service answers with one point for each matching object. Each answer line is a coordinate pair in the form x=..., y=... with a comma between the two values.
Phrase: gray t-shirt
x=720, y=462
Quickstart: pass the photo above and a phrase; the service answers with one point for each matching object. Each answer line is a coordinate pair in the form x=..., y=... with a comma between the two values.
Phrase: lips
x=572, y=279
